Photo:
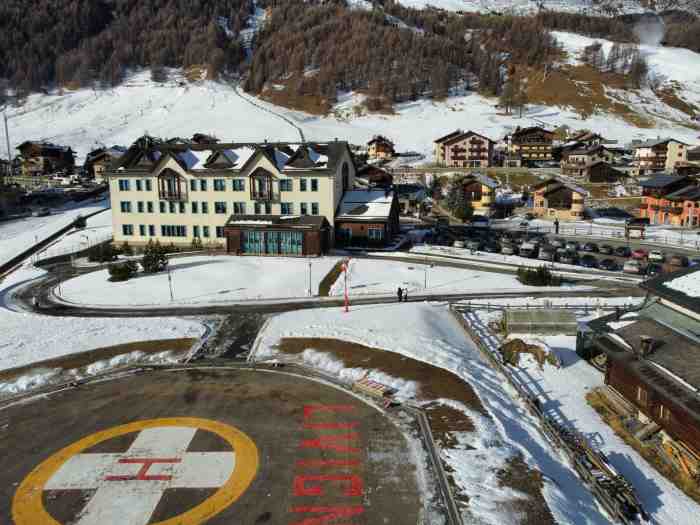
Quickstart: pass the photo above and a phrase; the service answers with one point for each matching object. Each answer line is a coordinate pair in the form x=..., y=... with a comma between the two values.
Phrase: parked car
x=589, y=261
x=529, y=216
x=524, y=225
x=622, y=251
x=590, y=247
x=528, y=249
x=632, y=267
x=475, y=244
x=458, y=244
x=679, y=260
x=608, y=264
x=654, y=269
x=546, y=254
x=568, y=257
x=42, y=212
x=572, y=246
x=507, y=248
x=492, y=247
x=639, y=254
x=695, y=261
x=656, y=256
x=606, y=249
x=556, y=243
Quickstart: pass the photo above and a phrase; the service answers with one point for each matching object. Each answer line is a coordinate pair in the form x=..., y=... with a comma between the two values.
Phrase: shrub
x=102, y=253
x=541, y=276
x=154, y=258
x=196, y=244
x=126, y=249
x=122, y=271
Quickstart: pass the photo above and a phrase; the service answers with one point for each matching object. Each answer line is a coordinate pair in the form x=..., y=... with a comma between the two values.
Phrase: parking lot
x=613, y=255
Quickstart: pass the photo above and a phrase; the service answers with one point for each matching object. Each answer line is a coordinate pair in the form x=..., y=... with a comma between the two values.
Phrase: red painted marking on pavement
x=331, y=442
x=331, y=426
x=329, y=514
x=142, y=475
x=307, y=463
x=353, y=488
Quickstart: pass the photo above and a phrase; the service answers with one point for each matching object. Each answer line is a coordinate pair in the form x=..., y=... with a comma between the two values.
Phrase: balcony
x=265, y=196
x=173, y=196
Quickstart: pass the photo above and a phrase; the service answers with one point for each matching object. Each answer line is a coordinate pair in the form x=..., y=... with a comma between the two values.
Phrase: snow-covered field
x=97, y=230
x=27, y=337
x=204, y=280
x=563, y=391
x=428, y=333
x=17, y=236
x=85, y=119
x=371, y=277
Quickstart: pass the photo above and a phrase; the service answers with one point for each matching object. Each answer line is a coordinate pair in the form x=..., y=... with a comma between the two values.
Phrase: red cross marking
x=142, y=474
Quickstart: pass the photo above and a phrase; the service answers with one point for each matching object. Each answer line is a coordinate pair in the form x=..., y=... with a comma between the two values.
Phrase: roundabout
x=205, y=446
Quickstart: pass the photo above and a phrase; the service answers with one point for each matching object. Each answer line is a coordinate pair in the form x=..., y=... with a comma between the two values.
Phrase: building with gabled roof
x=380, y=148
x=367, y=217
x=658, y=155
x=467, y=150
x=438, y=145
x=40, y=158
x=559, y=199
x=672, y=200
x=173, y=192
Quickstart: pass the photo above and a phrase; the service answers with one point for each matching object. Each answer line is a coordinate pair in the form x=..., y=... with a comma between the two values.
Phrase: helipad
x=204, y=446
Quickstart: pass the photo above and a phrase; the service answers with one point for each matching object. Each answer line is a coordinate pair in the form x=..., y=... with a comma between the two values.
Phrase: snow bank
x=28, y=337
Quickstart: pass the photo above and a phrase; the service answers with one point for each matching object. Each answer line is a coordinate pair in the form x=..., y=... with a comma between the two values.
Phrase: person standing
x=405, y=295
x=399, y=293
x=556, y=226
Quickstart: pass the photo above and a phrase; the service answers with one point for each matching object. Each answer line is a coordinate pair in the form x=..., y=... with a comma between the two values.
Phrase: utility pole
x=310, y=295
x=7, y=139
x=170, y=284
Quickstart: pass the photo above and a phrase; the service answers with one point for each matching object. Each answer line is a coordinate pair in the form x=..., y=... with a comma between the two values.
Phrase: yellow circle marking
x=28, y=507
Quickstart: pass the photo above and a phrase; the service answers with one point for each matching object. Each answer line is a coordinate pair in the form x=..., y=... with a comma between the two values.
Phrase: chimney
x=647, y=345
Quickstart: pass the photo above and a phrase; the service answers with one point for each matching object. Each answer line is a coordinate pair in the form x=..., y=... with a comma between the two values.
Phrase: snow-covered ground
x=428, y=333
x=85, y=119
x=688, y=284
x=98, y=229
x=371, y=277
x=563, y=392
x=27, y=337
x=19, y=235
x=525, y=6
x=204, y=280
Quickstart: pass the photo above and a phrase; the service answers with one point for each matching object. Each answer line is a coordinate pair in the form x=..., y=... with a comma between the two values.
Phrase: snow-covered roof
x=366, y=204
x=259, y=222
x=688, y=284
x=238, y=156
x=194, y=159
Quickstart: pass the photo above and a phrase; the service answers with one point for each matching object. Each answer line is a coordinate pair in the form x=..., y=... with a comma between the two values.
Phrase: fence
x=467, y=305
x=76, y=247
x=612, y=490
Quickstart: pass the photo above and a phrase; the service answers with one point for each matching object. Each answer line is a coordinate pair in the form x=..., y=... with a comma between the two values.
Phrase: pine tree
x=154, y=258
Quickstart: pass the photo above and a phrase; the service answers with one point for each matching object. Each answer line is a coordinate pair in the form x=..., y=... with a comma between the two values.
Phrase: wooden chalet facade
x=380, y=148
x=439, y=146
x=98, y=161
x=533, y=144
x=367, y=217
x=375, y=176
x=44, y=158
x=557, y=199
x=479, y=191
x=672, y=200
x=654, y=156
x=653, y=362
x=468, y=150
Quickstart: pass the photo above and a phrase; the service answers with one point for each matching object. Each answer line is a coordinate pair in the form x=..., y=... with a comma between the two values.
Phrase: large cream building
x=271, y=199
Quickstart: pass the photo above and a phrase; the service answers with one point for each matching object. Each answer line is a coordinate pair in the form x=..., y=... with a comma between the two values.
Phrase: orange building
x=671, y=200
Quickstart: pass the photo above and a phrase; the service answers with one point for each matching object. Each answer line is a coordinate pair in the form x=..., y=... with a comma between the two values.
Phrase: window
x=220, y=232
x=142, y=230
x=314, y=208
x=182, y=208
x=195, y=231
x=172, y=207
x=205, y=207
x=219, y=207
x=239, y=208
x=168, y=230
x=162, y=206
x=287, y=208
x=149, y=207
x=127, y=229
x=139, y=206
x=151, y=230
x=268, y=208
x=125, y=206
x=314, y=184
x=139, y=185
x=123, y=184
x=286, y=185
x=664, y=413
x=375, y=234
x=238, y=184
x=195, y=207
x=205, y=231
x=202, y=185
x=304, y=210
x=302, y=184
x=219, y=185
x=642, y=396
x=149, y=187
x=258, y=208
x=193, y=185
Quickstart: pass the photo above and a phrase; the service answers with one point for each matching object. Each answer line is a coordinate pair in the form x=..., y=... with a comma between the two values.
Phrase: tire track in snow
x=289, y=121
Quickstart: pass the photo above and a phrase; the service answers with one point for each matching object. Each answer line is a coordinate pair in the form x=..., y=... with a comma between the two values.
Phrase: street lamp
x=310, y=294
x=170, y=284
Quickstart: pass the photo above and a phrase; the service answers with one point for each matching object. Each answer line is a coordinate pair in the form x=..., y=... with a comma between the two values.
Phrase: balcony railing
x=177, y=196
x=267, y=196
